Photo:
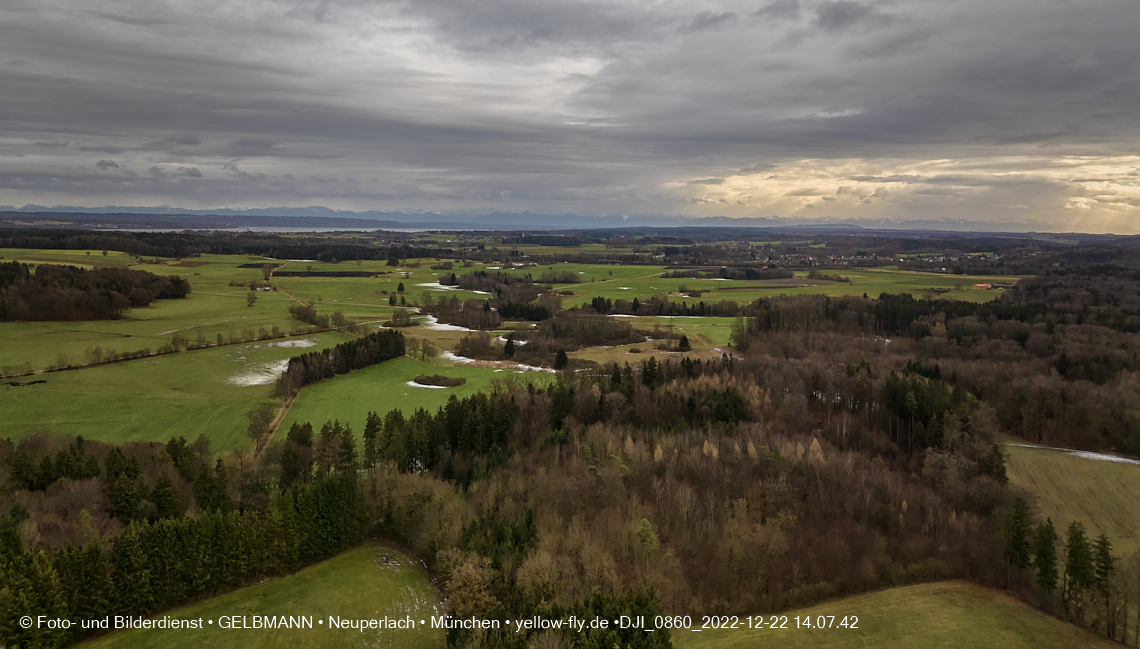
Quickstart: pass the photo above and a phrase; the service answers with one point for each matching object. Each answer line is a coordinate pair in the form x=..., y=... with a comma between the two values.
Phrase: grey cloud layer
x=592, y=106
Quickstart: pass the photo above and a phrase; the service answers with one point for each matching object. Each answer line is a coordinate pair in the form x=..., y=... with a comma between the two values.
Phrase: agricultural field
x=212, y=308
x=192, y=392
x=384, y=387
x=356, y=585
x=628, y=282
x=205, y=391
x=947, y=614
x=1067, y=487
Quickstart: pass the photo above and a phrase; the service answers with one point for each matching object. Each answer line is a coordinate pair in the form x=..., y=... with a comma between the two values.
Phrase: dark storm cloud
x=107, y=164
x=591, y=105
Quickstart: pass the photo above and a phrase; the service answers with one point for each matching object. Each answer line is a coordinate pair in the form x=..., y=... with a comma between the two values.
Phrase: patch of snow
x=452, y=356
x=1088, y=455
x=295, y=344
x=493, y=267
x=500, y=339
x=437, y=285
x=531, y=368
x=624, y=288
x=259, y=373
x=413, y=384
x=432, y=322
x=482, y=292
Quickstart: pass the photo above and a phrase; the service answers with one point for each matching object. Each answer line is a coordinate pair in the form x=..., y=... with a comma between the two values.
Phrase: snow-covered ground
x=437, y=285
x=413, y=384
x=301, y=343
x=432, y=322
x=265, y=373
x=1088, y=455
x=455, y=358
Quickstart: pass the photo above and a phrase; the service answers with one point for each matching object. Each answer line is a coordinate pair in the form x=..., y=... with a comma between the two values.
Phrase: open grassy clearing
x=354, y=585
x=383, y=387
x=213, y=307
x=948, y=614
x=81, y=258
x=205, y=391
x=199, y=314
x=1065, y=487
x=628, y=282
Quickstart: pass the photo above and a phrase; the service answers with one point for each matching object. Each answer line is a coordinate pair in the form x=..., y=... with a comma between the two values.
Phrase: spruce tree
x=371, y=427
x=1080, y=572
x=1016, y=549
x=1104, y=566
x=683, y=344
x=165, y=498
x=1045, y=556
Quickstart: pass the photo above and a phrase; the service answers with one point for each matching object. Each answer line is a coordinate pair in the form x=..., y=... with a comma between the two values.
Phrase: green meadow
x=193, y=392
x=356, y=585
x=384, y=387
x=941, y=615
x=628, y=282
x=205, y=391
x=1066, y=487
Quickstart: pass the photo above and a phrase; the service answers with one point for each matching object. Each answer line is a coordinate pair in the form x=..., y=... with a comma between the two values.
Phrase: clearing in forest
x=370, y=582
x=947, y=614
x=1067, y=487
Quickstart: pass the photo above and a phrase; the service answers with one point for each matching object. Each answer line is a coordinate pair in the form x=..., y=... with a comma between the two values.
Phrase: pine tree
x=346, y=452
x=683, y=344
x=1016, y=538
x=1045, y=556
x=1080, y=572
x=371, y=427
x=165, y=498
x=509, y=347
x=1104, y=566
x=561, y=360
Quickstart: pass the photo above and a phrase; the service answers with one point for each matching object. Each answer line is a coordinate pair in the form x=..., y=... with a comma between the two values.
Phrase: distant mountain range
x=323, y=217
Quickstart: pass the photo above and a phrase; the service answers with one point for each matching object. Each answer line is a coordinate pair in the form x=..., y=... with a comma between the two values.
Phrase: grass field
x=354, y=585
x=948, y=615
x=205, y=391
x=1102, y=495
x=627, y=282
x=383, y=387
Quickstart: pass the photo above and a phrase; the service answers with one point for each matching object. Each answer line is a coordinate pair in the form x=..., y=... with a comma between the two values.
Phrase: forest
x=52, y=292
x=835, y=446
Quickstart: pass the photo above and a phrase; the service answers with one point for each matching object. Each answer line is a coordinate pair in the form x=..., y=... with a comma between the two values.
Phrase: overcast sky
x=1010, y=111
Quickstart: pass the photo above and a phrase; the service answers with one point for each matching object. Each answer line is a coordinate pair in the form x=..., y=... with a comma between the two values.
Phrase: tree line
x=55, y=292
x=343, y=358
